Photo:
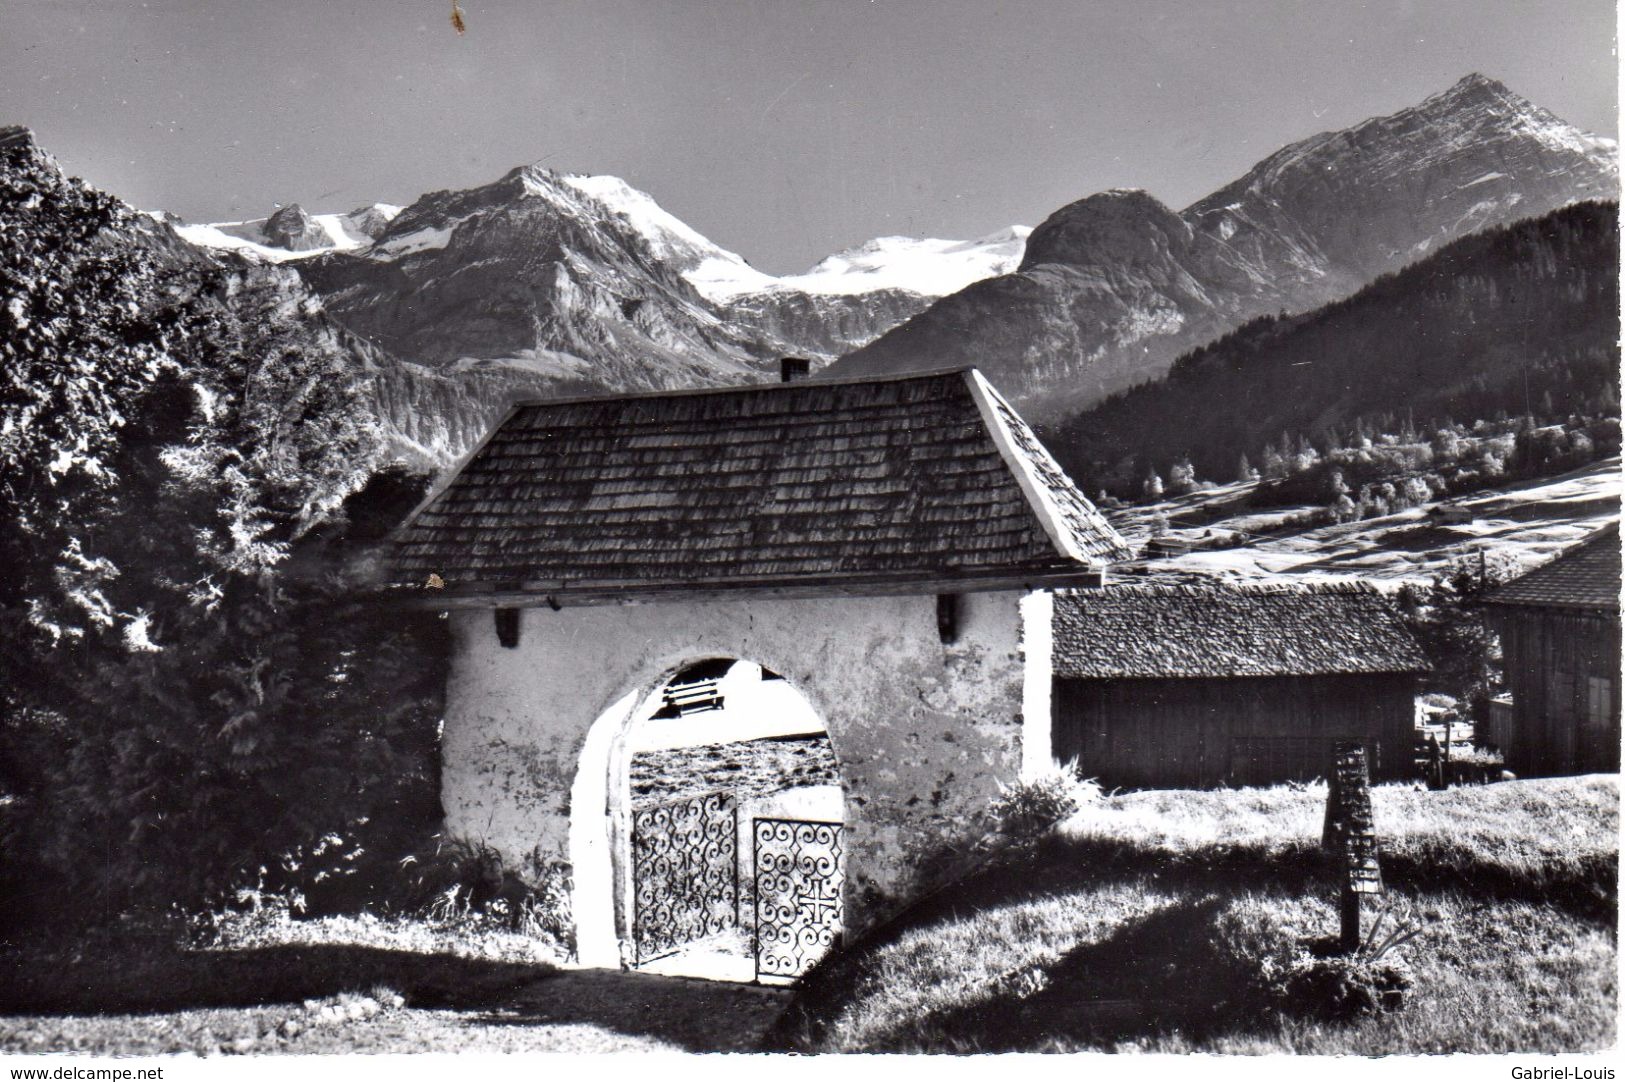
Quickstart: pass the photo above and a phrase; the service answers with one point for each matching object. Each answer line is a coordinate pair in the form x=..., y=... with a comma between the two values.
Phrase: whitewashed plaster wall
x=924, y=732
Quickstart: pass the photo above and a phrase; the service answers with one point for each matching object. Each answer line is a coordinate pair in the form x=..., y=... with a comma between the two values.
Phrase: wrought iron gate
x=799, y=866
x=685, y=873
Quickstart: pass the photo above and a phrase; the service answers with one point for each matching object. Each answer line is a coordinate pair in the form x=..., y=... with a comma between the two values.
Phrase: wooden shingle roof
x=1162, y=632
x=1587, y=576
x=928, y=482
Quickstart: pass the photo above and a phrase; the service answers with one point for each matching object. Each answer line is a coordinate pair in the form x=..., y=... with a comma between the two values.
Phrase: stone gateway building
x=883, y=546
x=1170, y=687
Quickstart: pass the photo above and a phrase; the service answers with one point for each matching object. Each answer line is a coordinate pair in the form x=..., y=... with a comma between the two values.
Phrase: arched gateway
x=884, y=546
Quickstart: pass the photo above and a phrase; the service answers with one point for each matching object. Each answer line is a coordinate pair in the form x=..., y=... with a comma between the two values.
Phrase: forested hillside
x=1520, y=321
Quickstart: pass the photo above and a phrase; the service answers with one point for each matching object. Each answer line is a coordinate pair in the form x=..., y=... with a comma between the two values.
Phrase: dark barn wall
x=1195, y=733
x=1557, y=663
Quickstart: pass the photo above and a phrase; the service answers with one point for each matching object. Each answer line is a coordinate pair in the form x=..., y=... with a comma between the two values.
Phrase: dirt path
x=562, y=1011
x=595, y=1010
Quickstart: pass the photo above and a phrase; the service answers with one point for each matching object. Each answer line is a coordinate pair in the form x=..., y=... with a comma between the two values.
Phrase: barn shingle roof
x=1161, y=632
x=1587, y=576
x=910, y=482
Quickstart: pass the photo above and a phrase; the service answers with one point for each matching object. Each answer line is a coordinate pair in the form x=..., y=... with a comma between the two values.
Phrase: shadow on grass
x=1587, y=887
x=156, y=978
x=1424, y=537
x=696, y=1015
x=1167, y=972
x=109, y=978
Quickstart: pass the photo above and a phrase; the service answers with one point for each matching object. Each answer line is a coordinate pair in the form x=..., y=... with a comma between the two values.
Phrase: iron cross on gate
x=819, y=898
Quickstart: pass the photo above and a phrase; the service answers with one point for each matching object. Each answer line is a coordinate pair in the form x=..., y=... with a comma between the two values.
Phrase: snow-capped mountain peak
x=290, y=233
x=645, y=215
x=928, y=267
x=924, y=267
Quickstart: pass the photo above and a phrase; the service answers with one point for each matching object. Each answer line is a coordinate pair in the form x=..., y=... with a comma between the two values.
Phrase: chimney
x=794, y=368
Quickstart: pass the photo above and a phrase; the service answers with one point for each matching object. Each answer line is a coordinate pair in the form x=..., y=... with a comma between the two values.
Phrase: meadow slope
x=1160, y=921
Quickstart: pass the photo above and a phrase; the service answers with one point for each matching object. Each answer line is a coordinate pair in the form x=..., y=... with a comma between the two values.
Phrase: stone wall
x=746, y=768
x=924, y=733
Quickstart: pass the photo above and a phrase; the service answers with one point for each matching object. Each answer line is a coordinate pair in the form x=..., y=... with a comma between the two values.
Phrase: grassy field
x=1529, y=520
x=1164, y=921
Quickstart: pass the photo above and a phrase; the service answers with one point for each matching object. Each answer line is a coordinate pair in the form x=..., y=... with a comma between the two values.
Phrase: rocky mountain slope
x=534, y=276
x=572, y=283
x=1114, y=287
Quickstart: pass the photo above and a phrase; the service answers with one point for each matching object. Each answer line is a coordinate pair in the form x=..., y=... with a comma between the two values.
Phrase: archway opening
x=699, y=776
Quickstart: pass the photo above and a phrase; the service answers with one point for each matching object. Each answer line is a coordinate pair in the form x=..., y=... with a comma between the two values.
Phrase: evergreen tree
x=79, y=342
x=192, y=690
x=1275, y=466
x=1181, y=477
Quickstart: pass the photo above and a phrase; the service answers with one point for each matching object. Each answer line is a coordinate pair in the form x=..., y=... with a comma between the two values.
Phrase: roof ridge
x=1581, y=576
x=742, y=388
x=1039, y=499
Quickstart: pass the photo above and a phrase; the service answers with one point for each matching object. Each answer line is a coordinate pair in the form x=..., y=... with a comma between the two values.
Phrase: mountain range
x=589, y=283
x=1112, y=288
x=545, y=283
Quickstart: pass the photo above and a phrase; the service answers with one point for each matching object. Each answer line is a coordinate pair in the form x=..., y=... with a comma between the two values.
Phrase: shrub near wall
x=284, y=737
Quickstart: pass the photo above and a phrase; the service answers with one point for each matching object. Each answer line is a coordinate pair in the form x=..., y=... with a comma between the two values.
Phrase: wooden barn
x=1560, y=637
x=1197, y=686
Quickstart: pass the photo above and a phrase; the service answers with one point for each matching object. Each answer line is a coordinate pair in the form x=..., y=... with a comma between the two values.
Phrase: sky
x=782, y=129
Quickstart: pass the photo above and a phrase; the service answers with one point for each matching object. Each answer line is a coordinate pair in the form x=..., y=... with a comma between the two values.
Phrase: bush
x=1344, y=987
x=463, y=883
x=1030, y=808
x=1295, y=972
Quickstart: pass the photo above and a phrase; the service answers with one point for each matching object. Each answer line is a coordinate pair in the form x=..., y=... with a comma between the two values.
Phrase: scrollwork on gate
x=798, y=872
x=685, y=872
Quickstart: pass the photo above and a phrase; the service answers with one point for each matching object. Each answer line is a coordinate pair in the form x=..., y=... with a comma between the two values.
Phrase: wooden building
x=1194, y=686
x=1560, y=638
